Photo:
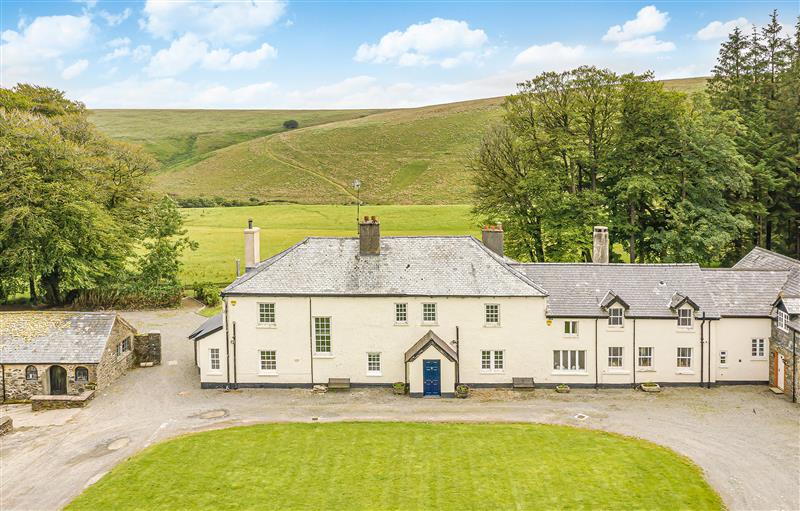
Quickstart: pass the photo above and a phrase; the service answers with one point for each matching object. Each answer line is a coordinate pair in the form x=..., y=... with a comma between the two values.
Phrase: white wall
x=360, y=325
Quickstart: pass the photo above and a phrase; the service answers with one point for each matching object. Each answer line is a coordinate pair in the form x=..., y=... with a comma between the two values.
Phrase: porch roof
x=425, y=341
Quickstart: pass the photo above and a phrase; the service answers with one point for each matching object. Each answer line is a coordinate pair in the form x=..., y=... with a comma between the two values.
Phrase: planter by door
x=432, y=377
x=58, y=380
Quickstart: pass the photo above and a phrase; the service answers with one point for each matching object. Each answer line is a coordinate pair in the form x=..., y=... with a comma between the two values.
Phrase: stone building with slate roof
x=436, y=311
x=62, y=352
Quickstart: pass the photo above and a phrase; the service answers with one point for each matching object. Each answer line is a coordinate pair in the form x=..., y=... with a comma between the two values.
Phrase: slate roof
x=406, y=266
x=766, y=259
x=578, y=289
x=430, y=338
x=54, y=337
x=744, y=292
x=211, y=325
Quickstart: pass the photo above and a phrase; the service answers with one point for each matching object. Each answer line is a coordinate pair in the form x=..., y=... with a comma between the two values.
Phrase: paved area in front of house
x=746, y=439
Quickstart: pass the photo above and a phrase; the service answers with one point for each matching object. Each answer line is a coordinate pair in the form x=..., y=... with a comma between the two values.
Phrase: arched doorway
x=58, y=380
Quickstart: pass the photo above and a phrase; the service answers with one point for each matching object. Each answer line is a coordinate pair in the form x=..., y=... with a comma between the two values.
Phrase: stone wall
x=147, y=348
x=111, y=365
x=781, y=342
x=17, y=388
x=39, y=403
x=6, y=425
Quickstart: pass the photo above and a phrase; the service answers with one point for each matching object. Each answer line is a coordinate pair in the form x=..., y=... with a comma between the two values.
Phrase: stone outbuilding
x=63, y=353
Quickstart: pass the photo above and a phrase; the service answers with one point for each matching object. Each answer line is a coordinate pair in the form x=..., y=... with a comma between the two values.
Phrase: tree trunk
x=51, y=282
x=769, y=234
x=32, y=289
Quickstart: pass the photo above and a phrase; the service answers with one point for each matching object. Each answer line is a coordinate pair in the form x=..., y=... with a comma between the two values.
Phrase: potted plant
x=462, y=391
x=399, y=387
x=562, y=388
x=649, y=386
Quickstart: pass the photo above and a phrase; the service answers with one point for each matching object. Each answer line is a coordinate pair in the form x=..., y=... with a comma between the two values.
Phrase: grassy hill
x=182, y=137
x=406, y=156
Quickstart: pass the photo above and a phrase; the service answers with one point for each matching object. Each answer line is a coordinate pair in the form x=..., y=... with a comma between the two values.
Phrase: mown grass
x=183, y=137
x=402, y=466
x=219, y=230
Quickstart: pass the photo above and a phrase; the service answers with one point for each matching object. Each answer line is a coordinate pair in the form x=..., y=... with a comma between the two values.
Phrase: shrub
x=207, y=293
x=290, y=124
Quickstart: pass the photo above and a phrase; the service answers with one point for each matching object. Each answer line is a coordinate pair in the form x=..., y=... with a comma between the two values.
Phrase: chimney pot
x=600, y=244
x=252, y=246
x=369, y=237
x=249, y=223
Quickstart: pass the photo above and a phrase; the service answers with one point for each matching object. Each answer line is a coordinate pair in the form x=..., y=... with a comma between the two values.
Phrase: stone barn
x=62, y=353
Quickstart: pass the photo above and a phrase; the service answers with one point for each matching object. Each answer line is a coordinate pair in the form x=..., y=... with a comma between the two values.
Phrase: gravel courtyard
x=745, y=439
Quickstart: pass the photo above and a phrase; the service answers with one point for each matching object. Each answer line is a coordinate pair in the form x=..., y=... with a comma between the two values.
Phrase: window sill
x=645, y=370
x=430, y=323
x=758, y=359
x=268, y=373
x=616, y=371
x=491, y=325
x=373, y=374
x=266, y=325
x=688, y=371
x=615, y=329
x=215, y=373
x=492, y=371
x=684, y=330
x=575, y=373
x=323, y=355
x=401, y=323
x=570, y=336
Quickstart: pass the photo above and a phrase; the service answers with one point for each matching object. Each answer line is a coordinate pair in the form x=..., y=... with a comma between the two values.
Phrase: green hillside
x=406, y=156
x=182, y=137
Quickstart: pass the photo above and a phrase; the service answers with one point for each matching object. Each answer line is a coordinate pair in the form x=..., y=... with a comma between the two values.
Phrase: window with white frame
x=684, y=357
x=615, y=356
x=723, y=358
x=373, y=364
x=213, y=354
x=616, y=316
x=429, y=313
x=126, y=344
x=646, y=357
x=757, y=348
x=322, y=336
x=569, y=360
x=268, y=360
x=783, y=320
x=31, y=373
x=685, y=317
x=492, y=314
x=492, y=361
x=401, y=313
x=266, y=313
x=571, y=328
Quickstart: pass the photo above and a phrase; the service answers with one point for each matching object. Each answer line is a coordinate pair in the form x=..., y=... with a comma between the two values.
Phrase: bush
x=128, y=297
x=290, y=124
x=207, y=293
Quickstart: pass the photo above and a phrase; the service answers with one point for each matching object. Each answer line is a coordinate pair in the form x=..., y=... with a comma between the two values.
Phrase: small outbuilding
x=62, y=353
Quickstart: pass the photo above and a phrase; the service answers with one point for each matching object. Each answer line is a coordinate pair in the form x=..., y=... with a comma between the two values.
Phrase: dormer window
x=616, y=317
x=783, y=320
x=685, y=317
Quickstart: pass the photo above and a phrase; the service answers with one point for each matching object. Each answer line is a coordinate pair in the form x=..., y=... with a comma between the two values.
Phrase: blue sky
x=284, y=54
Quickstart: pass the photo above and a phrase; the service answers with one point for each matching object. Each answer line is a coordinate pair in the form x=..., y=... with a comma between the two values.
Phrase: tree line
x=78, y=222
x=676, y=177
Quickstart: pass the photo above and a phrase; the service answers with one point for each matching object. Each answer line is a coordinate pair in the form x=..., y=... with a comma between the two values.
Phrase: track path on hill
x=297, y=166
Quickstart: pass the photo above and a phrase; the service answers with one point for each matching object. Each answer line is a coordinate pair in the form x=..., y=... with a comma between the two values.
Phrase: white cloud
x=112, y=20
x=720, y=29
x=189, y=50
x=223, y=60
x=141, y=52
x=216, y=21
x=123, y=51
x=75, y=69
x=644, y=45
x=119, y=41
x=27, y=54
x=648, y=20
x=434, y=42
x=181, y=55
x=554, y=53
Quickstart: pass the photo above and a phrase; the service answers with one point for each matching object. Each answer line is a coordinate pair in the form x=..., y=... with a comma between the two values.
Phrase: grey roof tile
x=54, y=337
x=744, y=292
x=209, y=326
x=578, y=289
x=410, y=266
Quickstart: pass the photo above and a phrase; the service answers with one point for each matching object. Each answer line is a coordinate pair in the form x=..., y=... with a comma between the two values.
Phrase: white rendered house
x=435, y=311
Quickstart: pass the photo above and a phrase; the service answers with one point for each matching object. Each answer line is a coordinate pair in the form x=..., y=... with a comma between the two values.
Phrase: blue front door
x=432, y=376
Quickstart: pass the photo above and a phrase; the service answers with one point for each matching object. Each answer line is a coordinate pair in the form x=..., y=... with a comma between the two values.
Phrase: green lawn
x=219, y=230
x=402, y=466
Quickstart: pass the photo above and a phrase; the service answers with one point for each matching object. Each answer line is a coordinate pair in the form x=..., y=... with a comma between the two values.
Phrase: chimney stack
x=492, y=237
x=600, y=245
x=369, y=236
x=252, y=246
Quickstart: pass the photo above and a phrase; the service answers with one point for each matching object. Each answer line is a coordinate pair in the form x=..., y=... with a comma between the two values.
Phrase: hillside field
x=404, y=156
x=219, y=231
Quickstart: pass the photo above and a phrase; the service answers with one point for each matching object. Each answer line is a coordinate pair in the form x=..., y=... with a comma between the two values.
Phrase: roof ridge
x=524, y=278
x=772, y=252
x=616, y=265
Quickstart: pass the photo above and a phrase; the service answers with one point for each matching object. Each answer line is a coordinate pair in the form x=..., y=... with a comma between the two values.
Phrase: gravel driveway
x=746, y=439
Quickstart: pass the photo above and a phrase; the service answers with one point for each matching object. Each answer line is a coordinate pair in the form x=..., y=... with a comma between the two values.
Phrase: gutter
x=596, y=374
x=708, y=385
x=227, y=349
x=235, y=382
x=633, y=369
x=311, y=341
x=702, y=340
x=794, y=368
x=458, y=358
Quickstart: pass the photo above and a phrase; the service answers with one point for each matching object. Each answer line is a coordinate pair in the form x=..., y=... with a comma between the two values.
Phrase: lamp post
x=357, y=188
